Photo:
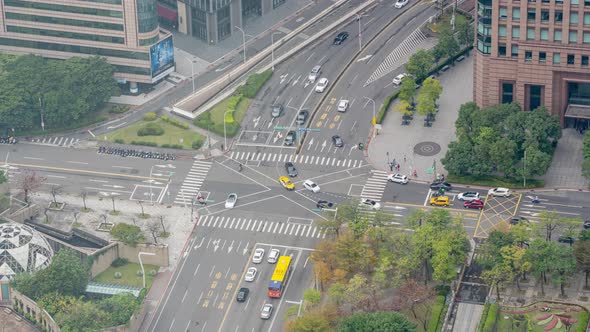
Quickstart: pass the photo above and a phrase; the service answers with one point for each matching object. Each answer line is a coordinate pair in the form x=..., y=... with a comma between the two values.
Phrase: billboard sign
x=162, y=58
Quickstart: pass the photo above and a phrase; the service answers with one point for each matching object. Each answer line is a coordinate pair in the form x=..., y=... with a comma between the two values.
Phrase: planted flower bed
x=542, y=316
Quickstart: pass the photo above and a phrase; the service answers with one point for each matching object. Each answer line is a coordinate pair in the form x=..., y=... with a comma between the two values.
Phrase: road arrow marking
x=255, y=137
x=117, y=126
x=200, y=244
x=279, y=136
x=270, y=123
x=296, y=81
x=112, y=186
x=256, y=120
x=231, y=247
x=222, y=68
x=399, y=207
x=245, y=250
x=216, y=243
x=323, y=146
x=306, y=84
x=283, y=78
x=91, y=133
x=310, y=144
x=366, y=57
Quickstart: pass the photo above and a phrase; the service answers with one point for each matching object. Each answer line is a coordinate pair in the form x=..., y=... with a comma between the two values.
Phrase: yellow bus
x=280, y=276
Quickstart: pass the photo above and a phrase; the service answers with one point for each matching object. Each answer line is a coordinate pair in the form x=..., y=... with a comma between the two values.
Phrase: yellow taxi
x=440, y=201
x=286, y=182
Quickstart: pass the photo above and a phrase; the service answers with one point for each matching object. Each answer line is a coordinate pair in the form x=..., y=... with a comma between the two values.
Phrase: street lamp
x=225, y=130
x=141, y=253
x=243, y=41
x=272, y=50
x=374, y=120
x=358, y=18
x=42, y=122
x=152, y=182
x=192, y=70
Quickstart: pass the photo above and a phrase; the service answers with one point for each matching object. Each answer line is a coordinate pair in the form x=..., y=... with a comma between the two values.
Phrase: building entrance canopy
x=578, y=111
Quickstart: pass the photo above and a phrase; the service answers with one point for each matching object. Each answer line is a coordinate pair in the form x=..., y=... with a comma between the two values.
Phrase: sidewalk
x=566, y=167
x=417, y=147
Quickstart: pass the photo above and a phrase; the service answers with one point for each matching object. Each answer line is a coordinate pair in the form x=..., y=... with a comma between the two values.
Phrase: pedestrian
x=222, y=147
x=404, y=158
x=390, y=167
x=415, y=173
x=397, y=167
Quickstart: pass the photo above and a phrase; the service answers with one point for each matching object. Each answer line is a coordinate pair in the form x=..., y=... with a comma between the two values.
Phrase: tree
x=309, y=322
x=420, y=64
x=586, y=168
x=496, y=276
x=514, y=257
x=582, y=254
x=128, y=234
x=312, y=297
x=429, y=94
x=407, y=89
x=403, y=107
x=84, y=195
x=551, y=221
x=3, y=177
x=356, y=292
x=447, y=45
x=154, y=228
x=28, y=182
x=539, y=256
x=337, y=292
x=376, y=322
x=562, y=265
x=412, y=294
x=464, y=32
x=55, y=190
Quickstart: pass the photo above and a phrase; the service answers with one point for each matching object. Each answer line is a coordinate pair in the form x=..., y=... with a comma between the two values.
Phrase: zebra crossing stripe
x=324, y=236
x=226, y=222
x=297, y=231
x=232, y=223
x=281, y=229
x=308, y=230
x=264, y=227
x=338, y=164
x=275, y=229
x=319, y=234
x=314, y=230
x=248, y=226
x=261, y=222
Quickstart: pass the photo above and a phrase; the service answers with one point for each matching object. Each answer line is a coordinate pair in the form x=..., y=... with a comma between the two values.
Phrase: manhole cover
x=426, y=149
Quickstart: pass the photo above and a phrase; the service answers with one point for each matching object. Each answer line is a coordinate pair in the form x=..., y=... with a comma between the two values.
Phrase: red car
x=474, y=204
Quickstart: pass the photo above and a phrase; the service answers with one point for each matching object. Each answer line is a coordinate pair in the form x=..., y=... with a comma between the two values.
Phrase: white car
x=258, y=256
x=401, y=3
x=273, y=256
x=315, y=72
x=231, y=200
x=251, y=274
x=266, y=311
x=343, y=105
x=398, y=178
x=468, y=196
x=311, y=186
x=371, y=203
x=398, y=79
x=322, y=85
x=505, y=192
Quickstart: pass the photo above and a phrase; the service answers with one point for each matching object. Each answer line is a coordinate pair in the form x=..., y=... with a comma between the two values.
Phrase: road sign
x=309, y=129
x=374, y=121
x=280, y=128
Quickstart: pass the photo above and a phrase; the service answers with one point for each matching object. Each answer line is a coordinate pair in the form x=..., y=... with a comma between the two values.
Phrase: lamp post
x=225, y=130
x=42, y=122
x=358, y=18
x=374, y=120
x=243, y=41
x=524, y=170
x=272, y=50
x=141, y=253
x=192, y=70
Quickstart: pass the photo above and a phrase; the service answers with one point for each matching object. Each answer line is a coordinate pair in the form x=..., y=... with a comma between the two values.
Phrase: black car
x=441, y=185
x=340, y=38
x=586, y=224
x=290, y=138
x=302, y=117
x=518, y=220
x=324, y=204
x=337, y=140
x=566, y=239
x=242, y=294
x=291, y=170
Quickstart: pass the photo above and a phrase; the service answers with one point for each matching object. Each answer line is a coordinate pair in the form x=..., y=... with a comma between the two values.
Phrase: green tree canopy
x=420, y=64
x=128, y=234
x=383, y=321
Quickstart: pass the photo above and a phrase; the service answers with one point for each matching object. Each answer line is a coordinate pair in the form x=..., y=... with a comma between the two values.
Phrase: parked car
x=322, y=85
x=370, y=203
x=321, y=204
x=503, y=192
x=251, y=274
x=290, y=138
x=441, y=185
x=302, y=117
x=517, y=220
x=258, y=256
x=231, y=200
x=398, y=79
x=566, y=239
x=266, y=311
x=340, y=38
x=277, y=110
x=242, y=294
x=398, y=178
x=291, y=170
x=586, y=224
x=337, y=140
x=273, y=256
x=315, y=73
x=468, y=196
x=473, y=204
x=440, y=201
x=342, y=105
x=401, y=3
x=311, y=186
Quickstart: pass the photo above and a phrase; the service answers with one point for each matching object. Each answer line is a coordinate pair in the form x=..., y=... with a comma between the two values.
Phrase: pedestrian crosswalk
x=262, y=226
x=401, y=54
x=375, y=186
x=193, y=181
x=301, y=159
x=59, y=141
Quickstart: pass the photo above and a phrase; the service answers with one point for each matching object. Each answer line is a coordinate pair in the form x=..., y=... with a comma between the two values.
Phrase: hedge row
x=484, y=315
x=253, y=84
x=175, y=122
x=195, y=145
x=437, y=316
x=491, y=318
x=150, y=116
x=583, y=321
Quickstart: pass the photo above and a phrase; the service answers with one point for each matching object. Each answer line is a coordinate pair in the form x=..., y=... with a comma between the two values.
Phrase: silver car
x=266, y=311
x=277, y=110
x=250, y=274
x=315, y=73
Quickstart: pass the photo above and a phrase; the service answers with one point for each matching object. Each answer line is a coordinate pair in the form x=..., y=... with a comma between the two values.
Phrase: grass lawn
x=172, y=134
x=495, y=181
x=129, y=276
x=538, y=320
x=423, y=312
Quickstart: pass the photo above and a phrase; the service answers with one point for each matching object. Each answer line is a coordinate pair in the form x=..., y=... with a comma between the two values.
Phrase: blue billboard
x=162, y=56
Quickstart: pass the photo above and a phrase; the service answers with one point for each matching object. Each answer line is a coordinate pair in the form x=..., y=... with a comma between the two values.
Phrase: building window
x=586, y=18
x=502, y=31
x=484, y=48
x=535, y=96
x=545, y=16
x=528, y=56
x=507, y=93
x=276, y=3
x=501, y=49
x=544, y=34
x=530, y=33
x=516, y=13
x=585, y=60
x=542, y=57
x=573, y=18
x=573, y=38
x=515, y=32
x=556, y=58
x=586, y=37
x=514, y=51
x=503, y=12
x=557, y=35
x=483, y=29
x=575, y=2
x=558, y=17
x=571, y=59
x=559, y=2
x=531, y=15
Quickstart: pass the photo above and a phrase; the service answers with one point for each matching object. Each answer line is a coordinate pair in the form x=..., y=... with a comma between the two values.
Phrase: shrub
x=152, y=272
x=491, y=318
x=230, y=128
x=385, y=106
x=119, y=262
x=150, y=129
x=150, y=116
x=203, y=120
x=138, y=273
x=119, y=141
x=437, y=311
x=583, y=321
x=119, y=109
x=484, y=315
x=144, y=143
x=442, y=289
x=197, y=144
x=172, y=146
x=118, y=275
x=175, y=122
x=253, y=84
